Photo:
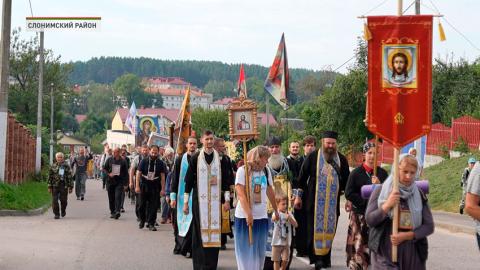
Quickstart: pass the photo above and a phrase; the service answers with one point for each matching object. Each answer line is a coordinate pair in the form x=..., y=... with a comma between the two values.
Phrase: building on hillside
x=221, y=104
x=173, y=90
x=262, y=119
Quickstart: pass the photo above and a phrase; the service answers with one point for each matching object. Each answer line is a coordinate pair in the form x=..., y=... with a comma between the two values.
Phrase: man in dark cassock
x=204, y=181
x=182, y=228
x=117, y=171
x=295, y=161
x=219, y=145
x=322, y=180
x=151, y=185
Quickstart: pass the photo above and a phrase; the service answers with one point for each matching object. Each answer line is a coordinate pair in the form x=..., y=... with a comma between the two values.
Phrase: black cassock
x=301, y=231
x=308, y=182
x=203, y=258
x=183, y=245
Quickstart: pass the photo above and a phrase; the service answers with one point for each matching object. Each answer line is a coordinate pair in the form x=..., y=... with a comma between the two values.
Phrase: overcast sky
x=319, y=33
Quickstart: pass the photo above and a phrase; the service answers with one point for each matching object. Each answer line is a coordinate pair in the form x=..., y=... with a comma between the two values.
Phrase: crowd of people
x=291, y=206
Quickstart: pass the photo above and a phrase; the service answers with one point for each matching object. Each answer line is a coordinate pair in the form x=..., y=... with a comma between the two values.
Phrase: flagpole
x=396, y=157
x=267, y=109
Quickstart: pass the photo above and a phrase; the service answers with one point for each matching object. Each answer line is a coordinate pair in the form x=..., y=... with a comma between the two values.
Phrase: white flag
x=131, y=122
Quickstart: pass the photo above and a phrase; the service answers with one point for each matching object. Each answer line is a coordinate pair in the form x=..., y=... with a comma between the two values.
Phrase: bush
x=461, y=146
x=445, y=151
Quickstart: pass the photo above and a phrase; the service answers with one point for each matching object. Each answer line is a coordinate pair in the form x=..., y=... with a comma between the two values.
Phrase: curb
x=18, y=213
x=456, y=228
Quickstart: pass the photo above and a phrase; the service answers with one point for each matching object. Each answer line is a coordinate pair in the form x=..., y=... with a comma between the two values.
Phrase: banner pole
x=247, y=187
x=375, y=158
x=396, y=157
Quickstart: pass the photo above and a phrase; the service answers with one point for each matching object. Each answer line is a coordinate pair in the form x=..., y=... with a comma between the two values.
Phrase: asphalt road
x=88, y=239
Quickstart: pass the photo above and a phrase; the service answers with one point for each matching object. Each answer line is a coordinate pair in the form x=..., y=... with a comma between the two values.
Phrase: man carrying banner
x=204, y=182
x=181, y=222
x=322, y=180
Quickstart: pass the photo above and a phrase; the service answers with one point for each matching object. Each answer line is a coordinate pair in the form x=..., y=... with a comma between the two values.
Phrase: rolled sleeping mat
x=367, y=190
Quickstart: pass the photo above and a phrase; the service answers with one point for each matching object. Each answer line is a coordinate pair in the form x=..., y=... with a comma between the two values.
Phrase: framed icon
x=243, y=119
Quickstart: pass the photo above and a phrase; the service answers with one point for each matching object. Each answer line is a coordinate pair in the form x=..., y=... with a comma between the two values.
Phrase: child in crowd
x=282, y=233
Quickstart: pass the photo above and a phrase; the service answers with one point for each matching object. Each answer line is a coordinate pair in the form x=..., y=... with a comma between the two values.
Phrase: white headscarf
x=409, y=193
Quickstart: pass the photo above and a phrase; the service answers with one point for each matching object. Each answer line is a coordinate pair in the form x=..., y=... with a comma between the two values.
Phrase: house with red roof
x=173, y=91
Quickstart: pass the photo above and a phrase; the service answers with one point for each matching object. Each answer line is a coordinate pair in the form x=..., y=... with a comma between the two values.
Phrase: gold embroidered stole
x=209, y=200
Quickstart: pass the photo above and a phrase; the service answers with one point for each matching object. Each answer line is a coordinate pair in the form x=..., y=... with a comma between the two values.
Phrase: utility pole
x=4, y=75
x=417, y=7
x=52, y=108
x=38, y=156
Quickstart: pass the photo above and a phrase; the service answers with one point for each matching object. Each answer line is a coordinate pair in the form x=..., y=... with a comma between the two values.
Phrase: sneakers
x=152, y=228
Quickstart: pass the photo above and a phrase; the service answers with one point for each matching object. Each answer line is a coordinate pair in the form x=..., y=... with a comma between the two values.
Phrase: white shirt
x=259, y=210
x=284, y=238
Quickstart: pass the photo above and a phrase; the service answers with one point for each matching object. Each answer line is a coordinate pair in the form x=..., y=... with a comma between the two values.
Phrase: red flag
x=400, y=77
x=242, y=84
x=277, y=82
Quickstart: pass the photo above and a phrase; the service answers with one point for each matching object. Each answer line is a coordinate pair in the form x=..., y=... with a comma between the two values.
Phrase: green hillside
x=444, y=178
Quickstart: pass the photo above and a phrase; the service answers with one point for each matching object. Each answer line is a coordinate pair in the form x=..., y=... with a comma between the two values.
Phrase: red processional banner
x=399, y=104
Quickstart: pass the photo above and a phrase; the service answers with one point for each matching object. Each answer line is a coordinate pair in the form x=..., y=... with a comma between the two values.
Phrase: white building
x=173, y=91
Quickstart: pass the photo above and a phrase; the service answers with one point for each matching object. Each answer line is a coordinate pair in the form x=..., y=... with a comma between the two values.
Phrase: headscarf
x=409, y=193
x=367, y=146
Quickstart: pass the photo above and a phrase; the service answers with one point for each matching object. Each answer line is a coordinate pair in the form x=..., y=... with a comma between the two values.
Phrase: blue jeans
x=80, y=180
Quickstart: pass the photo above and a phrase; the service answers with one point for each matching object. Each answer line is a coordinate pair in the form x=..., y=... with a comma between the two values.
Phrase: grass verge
x=444, y=179
x=27, y=196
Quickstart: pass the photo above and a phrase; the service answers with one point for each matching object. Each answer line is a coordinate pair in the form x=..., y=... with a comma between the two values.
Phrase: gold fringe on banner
x=441, y=32
x=367, y=35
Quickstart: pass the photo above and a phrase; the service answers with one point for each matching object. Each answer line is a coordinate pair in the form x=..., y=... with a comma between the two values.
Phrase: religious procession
x=161, y=189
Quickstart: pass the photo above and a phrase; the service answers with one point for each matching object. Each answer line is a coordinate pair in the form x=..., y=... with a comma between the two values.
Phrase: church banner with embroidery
x=399, y=100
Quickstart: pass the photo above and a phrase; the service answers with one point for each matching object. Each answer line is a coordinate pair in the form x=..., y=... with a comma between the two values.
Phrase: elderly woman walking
x=415, y=222
x=254, y=211
x=358, y=255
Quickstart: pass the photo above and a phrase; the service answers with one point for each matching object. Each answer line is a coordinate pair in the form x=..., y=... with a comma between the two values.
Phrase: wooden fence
x=20, y=154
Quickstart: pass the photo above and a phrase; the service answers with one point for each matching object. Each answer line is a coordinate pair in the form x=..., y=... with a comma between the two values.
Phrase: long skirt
x=250, y=257
x=357, y=243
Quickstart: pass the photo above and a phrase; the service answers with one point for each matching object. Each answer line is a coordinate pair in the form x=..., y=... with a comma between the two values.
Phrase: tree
x=220, y=89
x=23, y=93
x=214, y=120
x=129, y=86
x=342, y=107
x=69, y=123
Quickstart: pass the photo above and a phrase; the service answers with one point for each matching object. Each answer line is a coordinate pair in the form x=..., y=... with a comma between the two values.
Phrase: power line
x=31, y=10
x=346, y=62
x=377, y=6
x=408, y=7
x=436, y=10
